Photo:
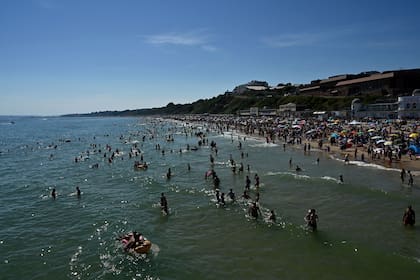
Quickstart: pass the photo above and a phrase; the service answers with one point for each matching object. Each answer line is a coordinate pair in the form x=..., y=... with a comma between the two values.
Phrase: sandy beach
x=267, y=128
x=405, y=162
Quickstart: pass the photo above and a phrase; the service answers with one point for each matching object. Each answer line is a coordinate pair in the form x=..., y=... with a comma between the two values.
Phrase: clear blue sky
x=81, y=56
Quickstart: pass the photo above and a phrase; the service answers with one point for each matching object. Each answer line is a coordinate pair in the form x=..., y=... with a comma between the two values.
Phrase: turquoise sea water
x=360, y=235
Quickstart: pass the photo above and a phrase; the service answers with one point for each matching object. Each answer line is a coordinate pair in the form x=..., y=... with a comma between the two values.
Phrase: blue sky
x=79, y=56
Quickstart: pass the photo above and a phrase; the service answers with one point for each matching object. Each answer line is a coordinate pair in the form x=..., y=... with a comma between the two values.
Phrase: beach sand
x=408, y=164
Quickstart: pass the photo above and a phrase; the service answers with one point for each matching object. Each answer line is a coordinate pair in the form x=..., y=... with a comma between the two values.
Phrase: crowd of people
x=361, y=138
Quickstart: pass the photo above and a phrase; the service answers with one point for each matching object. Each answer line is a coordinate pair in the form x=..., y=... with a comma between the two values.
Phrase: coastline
x=413, y=165
x=261, y=133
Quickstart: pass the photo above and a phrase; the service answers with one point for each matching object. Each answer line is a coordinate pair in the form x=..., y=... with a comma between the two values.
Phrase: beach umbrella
x=387, y=143
x=310, y=131
x=334, y=135
x=413, y=135
x=296, y=126
x=380, y=141
x=376, y=137
x=371, y=130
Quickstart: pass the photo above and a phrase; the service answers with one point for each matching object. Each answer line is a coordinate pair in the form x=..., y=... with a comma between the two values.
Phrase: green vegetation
x=229, y=103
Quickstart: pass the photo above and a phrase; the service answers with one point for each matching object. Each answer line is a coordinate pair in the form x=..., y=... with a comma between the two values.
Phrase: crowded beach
x=388, y=143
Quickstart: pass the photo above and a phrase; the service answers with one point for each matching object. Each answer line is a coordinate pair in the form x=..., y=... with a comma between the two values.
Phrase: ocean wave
x=264, y=145
x=367, y=164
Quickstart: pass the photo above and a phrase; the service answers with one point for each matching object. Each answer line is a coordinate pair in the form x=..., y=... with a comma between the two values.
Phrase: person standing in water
x=402, y=175
x=254, y=210
x=163, y=203
x=410, y=178
x=409, y=217
x=78, y=193
x=311, y=219
x=231, y=195
x=272, y=217
x=53, y=193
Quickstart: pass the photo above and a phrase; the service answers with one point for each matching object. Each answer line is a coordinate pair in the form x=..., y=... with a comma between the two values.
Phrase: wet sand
x=408, y=164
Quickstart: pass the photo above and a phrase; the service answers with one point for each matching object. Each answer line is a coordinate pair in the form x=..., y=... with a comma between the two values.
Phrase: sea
x=360, y=233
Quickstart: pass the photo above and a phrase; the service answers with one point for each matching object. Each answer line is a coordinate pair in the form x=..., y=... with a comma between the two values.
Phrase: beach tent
x=414, y=149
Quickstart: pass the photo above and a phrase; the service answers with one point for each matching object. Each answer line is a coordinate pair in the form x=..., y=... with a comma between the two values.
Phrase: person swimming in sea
x=298, y=168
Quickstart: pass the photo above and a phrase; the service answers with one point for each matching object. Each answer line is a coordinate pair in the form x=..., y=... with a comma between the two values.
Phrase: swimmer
x=254, y=210
x=311, y=219
x=169, y=174
x=298, y=168
x=402, y=175
x=163, y=203
x=78, y=193
x=231, y=195
x=53, y=193
x=341, y=179
x=245, y=195
x=272, y=217
x=247, y=183
x=222, y=199
x=409, y=217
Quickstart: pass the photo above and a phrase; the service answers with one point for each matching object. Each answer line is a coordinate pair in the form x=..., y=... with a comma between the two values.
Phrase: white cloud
x=193, y=39
x=292, y=40
x=175, y=39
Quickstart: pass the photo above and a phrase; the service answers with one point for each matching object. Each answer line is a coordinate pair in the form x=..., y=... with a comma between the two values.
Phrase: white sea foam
x=264, y=145
x=367, y=164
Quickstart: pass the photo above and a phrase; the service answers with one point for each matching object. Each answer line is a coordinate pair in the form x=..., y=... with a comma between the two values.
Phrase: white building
x=409, y=106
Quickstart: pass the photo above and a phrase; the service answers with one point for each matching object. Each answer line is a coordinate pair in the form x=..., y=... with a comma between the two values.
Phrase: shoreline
x=335, y=152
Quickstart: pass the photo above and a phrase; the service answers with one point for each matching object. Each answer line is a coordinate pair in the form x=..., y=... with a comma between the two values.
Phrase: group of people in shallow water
x=132, y=240
x=311, y=218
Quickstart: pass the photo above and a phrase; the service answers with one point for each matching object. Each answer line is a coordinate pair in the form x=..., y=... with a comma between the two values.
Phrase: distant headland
x=334, y=93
